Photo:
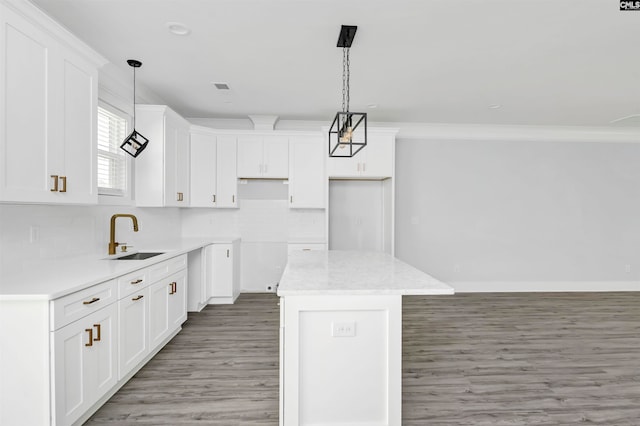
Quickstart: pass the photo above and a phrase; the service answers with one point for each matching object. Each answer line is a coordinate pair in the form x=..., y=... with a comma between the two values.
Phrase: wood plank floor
x=468, y=359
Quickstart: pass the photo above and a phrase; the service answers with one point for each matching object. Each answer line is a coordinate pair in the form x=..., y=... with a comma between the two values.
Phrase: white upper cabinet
x=214, y=180
x=374, y=161
x=48, y=105
x=226, y=172
x=263, y=157
x=307, y=181
x=203, y=169
x=162, y=169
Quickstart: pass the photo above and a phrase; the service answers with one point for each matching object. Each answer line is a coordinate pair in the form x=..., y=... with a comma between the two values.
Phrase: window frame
x=104, y=195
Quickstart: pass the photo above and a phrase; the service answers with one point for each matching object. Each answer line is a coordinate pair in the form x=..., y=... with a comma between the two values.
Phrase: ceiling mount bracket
x=134, y=63
x=347, y=34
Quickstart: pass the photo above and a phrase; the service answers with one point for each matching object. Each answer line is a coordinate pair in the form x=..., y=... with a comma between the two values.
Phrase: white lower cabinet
x=133, y=336
x=85, y=363
x=99, y=342
x=223, y=272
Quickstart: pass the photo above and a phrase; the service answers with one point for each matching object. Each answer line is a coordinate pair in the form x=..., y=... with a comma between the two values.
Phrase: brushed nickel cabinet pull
x=227, y=252
x=97, y=326
x=64, y=183
x=88, y=302
x=214, y=198
x=55, y=183
x=233, y=198
x=137, y=298
x=138, y=281
x=291, y=199
x=90, y=331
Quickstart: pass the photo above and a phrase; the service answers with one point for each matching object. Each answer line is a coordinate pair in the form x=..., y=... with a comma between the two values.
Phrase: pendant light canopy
x=348, y=132
x=135, y=143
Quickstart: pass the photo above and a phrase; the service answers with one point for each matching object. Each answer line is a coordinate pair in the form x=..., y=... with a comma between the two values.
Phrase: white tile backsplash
x=29, y=232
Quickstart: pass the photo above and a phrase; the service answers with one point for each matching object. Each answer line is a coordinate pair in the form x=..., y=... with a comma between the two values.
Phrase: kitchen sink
x=138, y=256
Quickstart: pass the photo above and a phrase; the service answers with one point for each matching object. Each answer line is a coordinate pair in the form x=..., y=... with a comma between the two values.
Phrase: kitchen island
x=341, y=337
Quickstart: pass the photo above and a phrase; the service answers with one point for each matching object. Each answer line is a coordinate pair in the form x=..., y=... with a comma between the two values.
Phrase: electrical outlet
x=343, y=329
x=34, y=233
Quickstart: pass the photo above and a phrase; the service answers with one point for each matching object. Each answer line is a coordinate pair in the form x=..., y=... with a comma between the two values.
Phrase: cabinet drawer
x=135, y=281
x=296, y=247
x=82, y=303
x=166, y=268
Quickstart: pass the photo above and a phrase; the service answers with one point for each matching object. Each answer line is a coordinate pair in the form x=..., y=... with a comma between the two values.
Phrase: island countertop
x=337, y=272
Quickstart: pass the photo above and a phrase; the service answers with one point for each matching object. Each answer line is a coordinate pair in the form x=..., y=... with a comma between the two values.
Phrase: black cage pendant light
x=348, y=132
x=135, y=143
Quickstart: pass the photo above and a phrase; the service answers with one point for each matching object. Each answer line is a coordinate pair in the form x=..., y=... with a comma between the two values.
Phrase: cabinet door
x=203, y=170
x=227, y=177
x=182, y=164
x=379, y=156
x=222, y=277
x=177, y=300
x=250, y=157
x=275, y=157
x=79, y=97
x=306, y=173
x=171, y=135
x=84, y=363
x=133, y=336
x=25, y=84
x=158, y=312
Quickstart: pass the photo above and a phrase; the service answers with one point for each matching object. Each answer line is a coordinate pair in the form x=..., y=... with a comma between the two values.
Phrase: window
x=112, y=162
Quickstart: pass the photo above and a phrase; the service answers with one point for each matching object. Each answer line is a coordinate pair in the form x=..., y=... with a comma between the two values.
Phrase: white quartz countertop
x=53, y=278
x=336, y=272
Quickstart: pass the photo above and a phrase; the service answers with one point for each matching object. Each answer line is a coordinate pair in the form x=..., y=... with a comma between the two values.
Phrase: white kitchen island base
x=341, y=337
x=343, y=357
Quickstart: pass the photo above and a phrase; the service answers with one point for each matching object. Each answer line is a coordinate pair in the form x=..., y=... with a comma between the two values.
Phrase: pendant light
x=348, y=132
x=135, y=143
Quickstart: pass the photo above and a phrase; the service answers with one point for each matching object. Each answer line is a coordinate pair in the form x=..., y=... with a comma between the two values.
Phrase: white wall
x=518, y=216
x=36, y=232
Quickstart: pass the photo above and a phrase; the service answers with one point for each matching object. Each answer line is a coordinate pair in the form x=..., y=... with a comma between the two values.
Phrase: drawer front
x=135, y=281
x=296, y=247
x=81, y=303
x=166, y=268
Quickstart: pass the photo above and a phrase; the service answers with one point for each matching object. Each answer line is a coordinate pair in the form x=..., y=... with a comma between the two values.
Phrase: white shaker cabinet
x=213, y=170
x=85, y=356
x=374, y=161
x=177, y=301
x=48, y=105
x=223, y=272
x=162, y=169
x=306, y=173
x=133, y=330
x=263, y=157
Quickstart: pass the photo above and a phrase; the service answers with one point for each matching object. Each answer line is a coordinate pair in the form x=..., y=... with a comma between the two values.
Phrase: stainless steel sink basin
x=138, y=256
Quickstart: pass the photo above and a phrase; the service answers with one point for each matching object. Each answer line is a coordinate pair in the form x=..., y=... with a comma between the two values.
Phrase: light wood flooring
x=468, y=359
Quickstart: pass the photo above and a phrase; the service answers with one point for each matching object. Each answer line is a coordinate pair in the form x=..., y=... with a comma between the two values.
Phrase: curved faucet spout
x=112, y=230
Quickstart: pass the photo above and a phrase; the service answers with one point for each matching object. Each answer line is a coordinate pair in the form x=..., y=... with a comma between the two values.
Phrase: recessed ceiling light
x=372, y=106
x=495, y=106
x=178, y=28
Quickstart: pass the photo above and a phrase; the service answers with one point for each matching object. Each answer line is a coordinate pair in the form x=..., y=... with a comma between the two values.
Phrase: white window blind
x=112, y=163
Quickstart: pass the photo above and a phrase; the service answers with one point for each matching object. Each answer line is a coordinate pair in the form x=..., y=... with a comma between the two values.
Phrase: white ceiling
x=546, y=62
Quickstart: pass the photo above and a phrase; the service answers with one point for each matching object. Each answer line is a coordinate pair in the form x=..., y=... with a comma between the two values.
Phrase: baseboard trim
x=542, y=286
